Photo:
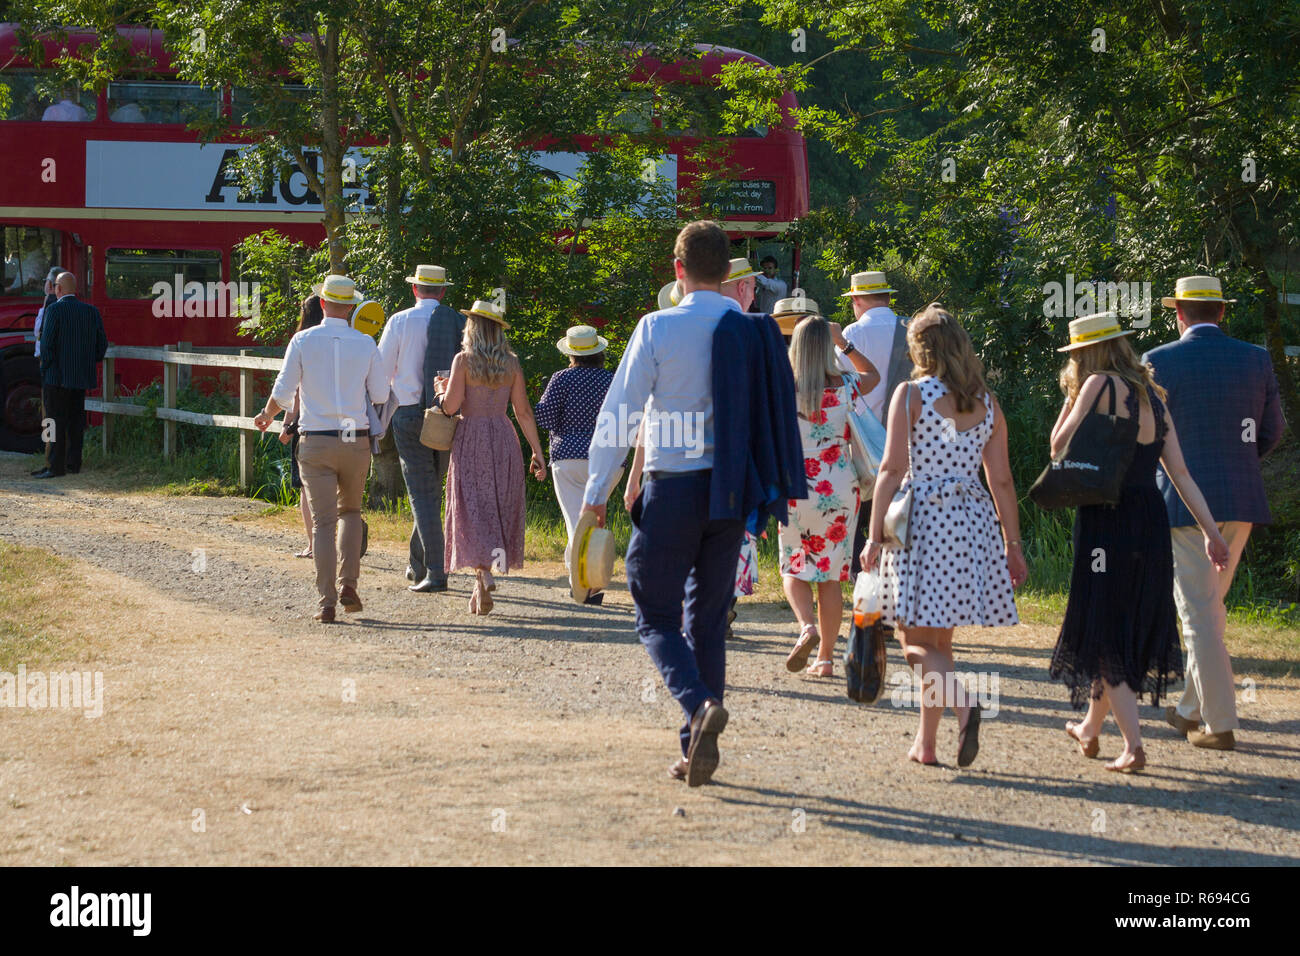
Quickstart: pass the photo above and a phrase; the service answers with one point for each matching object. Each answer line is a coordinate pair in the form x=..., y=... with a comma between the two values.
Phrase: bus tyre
x=20, y=405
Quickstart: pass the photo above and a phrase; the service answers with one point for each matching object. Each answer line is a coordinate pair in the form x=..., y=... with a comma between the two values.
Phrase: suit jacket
x=72, y=344
x=446, y=326
x=757, y=450
x=1223, y=400
x=900, y=365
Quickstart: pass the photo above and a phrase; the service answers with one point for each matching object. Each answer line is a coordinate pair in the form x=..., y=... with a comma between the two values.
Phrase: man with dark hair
x=418, y=344
x=689, y=519
x=73, y=343
x=771, y=287
x=1223, y=399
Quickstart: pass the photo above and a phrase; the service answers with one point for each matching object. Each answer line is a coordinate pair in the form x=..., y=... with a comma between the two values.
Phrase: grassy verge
x=34, y=629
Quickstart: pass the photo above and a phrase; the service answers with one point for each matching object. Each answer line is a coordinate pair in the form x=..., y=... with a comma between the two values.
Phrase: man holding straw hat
x=1223, y=398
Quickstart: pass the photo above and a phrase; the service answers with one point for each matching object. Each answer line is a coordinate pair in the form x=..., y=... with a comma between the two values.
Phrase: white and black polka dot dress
x=955, y=573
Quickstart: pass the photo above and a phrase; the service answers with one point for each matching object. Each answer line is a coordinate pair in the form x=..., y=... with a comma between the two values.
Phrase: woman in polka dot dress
x=958, y=570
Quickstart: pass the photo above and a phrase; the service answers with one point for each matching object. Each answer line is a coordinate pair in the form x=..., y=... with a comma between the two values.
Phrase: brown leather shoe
x=348, y=598
x=678, y=770
x=325, y=615
x=1179, y=722
x=1221, y=741
x=702, y=756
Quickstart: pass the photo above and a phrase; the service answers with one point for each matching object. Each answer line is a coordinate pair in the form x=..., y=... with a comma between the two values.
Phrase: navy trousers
x=424, y=470
x=681, y=570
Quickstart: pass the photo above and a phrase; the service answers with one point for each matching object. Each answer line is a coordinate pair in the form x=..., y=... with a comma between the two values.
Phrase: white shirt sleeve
x=290, y=377
x=633, y=382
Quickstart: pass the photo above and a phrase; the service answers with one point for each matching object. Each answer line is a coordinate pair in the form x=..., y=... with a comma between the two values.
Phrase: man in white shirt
x=881, y=338
x=337, y=371
x=66, y=111
x=771, y=287
x=681, y=565
x=403, y=346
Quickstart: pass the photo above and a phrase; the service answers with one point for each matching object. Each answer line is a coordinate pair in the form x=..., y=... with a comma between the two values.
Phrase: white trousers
x=1199, y=590
x=570, y=476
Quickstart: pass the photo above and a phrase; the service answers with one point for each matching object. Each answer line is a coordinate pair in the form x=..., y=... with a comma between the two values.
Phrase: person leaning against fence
x=338, y=371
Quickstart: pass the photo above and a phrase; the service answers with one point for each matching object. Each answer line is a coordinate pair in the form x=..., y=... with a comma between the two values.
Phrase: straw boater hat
x=429, y=275
x=338, y=289
x=582, y=340
x=368, y=317
x=487, y=310
x=671, y=295
x=867, y=283
x=1092, y=329
x=788, y=312
x=591, y=557
x=1195, y=289
x=739, y=269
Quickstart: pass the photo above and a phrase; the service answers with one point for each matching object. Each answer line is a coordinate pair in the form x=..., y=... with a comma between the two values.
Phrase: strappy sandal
x=304, y=553
x=814, y=669
x=968, y=741
x=1088, y=746
x=490, y=582
x=808, y=639
x=1138, y=762
x=473, y=600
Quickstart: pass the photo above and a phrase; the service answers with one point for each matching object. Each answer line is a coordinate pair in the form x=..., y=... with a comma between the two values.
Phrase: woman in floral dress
x=817, y=544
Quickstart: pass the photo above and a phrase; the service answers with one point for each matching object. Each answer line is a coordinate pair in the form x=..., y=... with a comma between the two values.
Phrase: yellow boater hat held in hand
x=368, y=317
x=1091, y=329
x=671, y=295
x=1195, y=289
x=591, y=558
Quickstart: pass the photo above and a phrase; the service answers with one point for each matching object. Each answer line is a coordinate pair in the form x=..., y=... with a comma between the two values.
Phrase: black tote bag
x=1091, y=469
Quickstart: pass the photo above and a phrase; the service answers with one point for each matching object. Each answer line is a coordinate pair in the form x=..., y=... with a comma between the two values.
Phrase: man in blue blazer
x=72, y=345
x=1223, y=398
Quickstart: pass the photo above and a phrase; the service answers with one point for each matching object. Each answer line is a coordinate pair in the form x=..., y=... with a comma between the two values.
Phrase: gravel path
x=548, y=714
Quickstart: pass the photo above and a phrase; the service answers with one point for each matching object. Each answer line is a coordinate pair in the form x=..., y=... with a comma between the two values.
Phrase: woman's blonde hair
x=487, y=351
x=1111, y=357
x=812, y=357
x=939, y=346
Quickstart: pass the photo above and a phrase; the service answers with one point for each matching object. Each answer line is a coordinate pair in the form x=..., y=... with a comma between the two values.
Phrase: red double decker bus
x=116, y=188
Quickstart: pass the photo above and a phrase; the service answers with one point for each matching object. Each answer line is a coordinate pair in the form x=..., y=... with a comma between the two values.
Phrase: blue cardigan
x=757, y=450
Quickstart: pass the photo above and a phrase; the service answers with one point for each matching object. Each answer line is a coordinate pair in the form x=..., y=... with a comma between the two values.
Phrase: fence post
x=110, y=394
x=247, y=439
x=185, y=373
x=170, y=370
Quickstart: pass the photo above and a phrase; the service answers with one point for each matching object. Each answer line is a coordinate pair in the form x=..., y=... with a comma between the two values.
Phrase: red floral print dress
x=817, y=544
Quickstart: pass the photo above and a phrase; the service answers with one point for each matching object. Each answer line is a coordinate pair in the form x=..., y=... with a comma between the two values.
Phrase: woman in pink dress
x=485, y=480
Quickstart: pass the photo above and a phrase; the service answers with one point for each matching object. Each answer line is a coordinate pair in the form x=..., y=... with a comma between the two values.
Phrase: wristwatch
x=848, y=348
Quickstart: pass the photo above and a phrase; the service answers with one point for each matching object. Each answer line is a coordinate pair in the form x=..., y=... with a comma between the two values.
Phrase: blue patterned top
x=569, y=409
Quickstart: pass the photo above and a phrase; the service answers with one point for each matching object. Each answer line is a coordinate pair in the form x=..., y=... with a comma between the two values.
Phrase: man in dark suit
x=1223, y=399
x=72, y=345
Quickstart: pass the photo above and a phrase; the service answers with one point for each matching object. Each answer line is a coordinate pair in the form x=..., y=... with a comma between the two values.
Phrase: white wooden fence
x=174, y=359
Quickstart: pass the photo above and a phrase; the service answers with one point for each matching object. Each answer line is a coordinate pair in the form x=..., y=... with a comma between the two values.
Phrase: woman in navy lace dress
x=1119, y=639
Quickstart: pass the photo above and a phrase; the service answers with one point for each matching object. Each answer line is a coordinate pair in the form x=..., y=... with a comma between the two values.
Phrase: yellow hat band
x=583, y=348
x=1199, y=294
x=1089, y=336
x=582, y=558
x=869, y=288
x=335, y=298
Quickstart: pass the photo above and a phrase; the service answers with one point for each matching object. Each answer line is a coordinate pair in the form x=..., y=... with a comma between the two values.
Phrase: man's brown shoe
x=348, y=598
x=1179, y=722
x=325, y=615
x=702, y=756
x=1221, y=741
x=678, y=770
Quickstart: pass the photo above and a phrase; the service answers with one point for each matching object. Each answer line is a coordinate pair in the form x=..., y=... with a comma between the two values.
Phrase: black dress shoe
x=702, y=756
x=429, y=585
x=39, y=470
x=595, y=597
x=46, y=473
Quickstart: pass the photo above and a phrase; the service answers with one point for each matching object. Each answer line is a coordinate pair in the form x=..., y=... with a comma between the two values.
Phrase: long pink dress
x=485, y=485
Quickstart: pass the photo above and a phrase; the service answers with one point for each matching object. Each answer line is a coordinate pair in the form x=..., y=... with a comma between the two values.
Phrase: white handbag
x=898, y=516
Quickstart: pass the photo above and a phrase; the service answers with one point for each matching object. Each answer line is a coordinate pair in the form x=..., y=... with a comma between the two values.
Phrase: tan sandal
x=1088, y=746
x=814, y=669
x=1138, y=762
x=803, y=648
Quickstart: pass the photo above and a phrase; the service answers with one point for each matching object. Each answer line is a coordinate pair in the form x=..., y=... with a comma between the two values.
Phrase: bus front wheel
x=20, y=401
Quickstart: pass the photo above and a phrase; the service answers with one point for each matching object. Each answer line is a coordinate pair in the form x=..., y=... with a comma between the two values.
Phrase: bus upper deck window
x=33, y=97
x=29, y=252
x=161, y=102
